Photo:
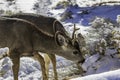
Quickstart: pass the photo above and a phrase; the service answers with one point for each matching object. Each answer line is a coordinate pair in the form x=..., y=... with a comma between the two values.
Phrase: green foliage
x=9, y=7
x=102, y=26
x=105, y=34
x=9, y=12
x=63, y=4
x=1, y=11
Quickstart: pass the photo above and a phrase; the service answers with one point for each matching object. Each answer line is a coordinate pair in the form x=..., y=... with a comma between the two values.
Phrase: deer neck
x=44, y=43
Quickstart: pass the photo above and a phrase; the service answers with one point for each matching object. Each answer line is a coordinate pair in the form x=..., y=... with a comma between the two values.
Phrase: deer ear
x=59, y=38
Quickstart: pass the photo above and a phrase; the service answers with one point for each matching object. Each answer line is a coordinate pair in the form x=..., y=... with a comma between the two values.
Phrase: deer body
x=18, y=35
x=48, y=24
x=28, y=37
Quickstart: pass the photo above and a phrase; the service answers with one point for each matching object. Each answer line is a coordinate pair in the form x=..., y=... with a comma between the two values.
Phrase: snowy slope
x=110, y=75
x=84, y=19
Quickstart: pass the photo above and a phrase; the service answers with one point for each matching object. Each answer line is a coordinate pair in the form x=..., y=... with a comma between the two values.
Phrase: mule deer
x=47, y=24
x=26, y=38
x=43, y=23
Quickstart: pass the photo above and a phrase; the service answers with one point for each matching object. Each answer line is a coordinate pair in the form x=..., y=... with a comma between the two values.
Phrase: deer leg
x=47, y=63
x=42, y=63
x=16, y=63
x=53, y=60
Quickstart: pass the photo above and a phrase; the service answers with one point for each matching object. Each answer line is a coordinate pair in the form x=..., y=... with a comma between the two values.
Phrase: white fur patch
x=64, y=48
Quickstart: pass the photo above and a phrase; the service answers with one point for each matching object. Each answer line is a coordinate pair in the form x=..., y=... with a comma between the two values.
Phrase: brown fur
x=23, y=37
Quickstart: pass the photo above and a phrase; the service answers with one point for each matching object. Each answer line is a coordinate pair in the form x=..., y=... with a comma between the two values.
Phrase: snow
x=97, y=67
x=110, y=75
x=89, y=61
x=26, y=6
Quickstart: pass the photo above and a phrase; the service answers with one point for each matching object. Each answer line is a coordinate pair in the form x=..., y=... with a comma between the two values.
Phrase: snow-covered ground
x=111, y=75
x=103, y=68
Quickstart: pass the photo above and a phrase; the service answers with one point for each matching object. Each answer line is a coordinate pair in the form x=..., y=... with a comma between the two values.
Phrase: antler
x=73, y=34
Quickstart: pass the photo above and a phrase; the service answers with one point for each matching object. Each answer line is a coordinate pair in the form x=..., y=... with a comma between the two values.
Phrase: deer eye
x=75, y=52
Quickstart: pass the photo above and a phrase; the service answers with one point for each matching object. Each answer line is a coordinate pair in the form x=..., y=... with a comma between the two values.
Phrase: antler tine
x=75, y=29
